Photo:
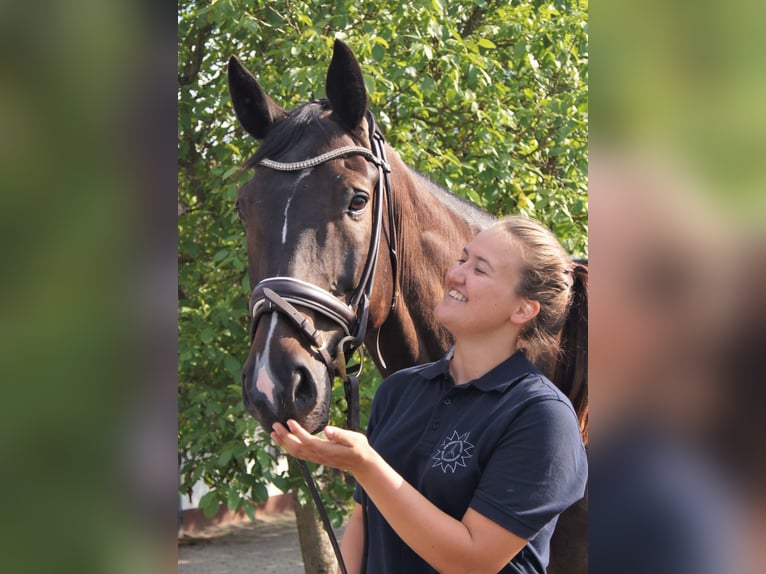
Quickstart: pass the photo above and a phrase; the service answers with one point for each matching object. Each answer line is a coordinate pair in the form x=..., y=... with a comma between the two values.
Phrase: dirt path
x=266, y=546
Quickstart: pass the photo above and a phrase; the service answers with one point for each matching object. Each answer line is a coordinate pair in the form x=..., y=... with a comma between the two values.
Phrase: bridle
x=285, y=295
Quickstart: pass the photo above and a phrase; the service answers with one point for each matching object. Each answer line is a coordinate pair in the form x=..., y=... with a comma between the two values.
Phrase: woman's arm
x=473, y=544
x=352, y=545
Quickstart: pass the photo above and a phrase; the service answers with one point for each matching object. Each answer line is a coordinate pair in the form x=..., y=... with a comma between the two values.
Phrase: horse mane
x=476, y=217
x=288, y=131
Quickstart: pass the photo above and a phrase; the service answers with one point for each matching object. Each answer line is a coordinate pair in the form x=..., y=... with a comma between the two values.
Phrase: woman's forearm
x=352, y=545
x=441, y=540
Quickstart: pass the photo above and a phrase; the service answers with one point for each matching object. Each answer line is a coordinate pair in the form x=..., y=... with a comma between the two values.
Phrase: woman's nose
x=455, y=274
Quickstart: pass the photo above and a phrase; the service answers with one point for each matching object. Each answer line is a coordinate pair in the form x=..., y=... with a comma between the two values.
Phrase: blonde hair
x=556, y=338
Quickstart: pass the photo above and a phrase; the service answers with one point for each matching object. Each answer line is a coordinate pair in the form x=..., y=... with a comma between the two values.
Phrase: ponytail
x=556, y=339
x=570, y=371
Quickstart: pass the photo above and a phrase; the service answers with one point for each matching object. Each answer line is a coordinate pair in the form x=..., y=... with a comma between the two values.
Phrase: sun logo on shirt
x=454, y=451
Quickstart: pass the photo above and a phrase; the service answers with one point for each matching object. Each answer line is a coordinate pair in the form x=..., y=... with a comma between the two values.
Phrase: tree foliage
x=488, y=98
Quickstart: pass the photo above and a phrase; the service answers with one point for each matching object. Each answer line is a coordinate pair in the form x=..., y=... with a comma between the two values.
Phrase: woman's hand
x=343, y=449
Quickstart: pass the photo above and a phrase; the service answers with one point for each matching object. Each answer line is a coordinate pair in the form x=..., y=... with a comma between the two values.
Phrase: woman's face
x=480, y=288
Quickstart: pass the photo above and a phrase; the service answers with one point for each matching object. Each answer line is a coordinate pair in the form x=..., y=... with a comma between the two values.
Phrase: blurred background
x=88, y=320
x=88, y=307
x=678, y=263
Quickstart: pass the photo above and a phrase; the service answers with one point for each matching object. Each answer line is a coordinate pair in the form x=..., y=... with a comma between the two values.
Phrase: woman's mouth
x=457, y=296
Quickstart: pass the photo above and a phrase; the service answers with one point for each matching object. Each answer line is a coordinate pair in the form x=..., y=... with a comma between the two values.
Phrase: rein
x=284, y=295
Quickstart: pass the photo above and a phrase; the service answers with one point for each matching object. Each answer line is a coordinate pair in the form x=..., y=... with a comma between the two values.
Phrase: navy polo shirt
x=507, y=445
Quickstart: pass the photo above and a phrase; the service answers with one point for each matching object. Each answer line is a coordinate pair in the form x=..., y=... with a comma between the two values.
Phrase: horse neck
x=432, y=227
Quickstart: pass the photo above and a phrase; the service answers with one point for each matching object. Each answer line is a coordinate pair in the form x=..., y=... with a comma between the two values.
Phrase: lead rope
x=322, y=513
x=351, y=390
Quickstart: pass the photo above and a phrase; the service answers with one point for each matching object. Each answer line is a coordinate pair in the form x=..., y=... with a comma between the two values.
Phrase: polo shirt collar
x=515, y=367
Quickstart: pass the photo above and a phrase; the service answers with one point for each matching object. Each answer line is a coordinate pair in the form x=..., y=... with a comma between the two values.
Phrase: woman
x=468, y=461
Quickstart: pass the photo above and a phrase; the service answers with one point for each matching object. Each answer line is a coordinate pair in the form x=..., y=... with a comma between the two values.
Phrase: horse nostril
x=304, y=390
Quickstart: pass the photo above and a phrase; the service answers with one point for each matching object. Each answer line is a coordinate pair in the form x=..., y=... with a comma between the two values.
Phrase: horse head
x=310, y=214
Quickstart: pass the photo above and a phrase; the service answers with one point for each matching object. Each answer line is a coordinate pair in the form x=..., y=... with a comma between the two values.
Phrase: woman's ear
x=526, y=311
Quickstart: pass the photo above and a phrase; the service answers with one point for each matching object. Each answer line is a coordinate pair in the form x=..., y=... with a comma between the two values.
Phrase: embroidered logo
x=454, y=451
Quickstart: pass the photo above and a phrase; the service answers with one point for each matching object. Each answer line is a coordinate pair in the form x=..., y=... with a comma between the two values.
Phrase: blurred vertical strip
x=678, y=276
x=88, y=287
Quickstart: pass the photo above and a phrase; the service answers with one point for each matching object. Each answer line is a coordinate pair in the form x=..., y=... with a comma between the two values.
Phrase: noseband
x=285, y=295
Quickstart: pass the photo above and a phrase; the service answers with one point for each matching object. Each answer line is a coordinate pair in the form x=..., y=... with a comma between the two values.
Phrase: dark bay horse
x=346, y=244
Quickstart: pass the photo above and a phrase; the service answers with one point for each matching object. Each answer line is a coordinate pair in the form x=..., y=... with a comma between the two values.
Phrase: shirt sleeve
x=375, y=409
x=536, y=471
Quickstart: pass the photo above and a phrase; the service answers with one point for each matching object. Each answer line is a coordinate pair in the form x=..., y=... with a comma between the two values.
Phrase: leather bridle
x=282, y=294
x=286, y=295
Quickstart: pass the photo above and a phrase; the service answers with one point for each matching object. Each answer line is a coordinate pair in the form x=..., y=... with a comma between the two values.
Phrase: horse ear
x=255, y=110
x=345, y=86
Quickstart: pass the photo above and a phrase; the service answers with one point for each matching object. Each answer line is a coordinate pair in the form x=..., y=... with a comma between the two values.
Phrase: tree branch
x=473, y=22
x=194, y=63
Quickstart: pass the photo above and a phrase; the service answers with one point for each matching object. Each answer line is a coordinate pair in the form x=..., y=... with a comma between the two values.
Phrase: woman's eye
x=479, y=271
x=358, y=202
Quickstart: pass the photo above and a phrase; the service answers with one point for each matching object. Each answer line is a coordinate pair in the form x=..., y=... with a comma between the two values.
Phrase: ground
x=268, y=545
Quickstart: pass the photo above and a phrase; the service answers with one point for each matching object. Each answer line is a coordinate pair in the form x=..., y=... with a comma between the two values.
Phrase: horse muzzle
x=282, y=379
x=290, y=371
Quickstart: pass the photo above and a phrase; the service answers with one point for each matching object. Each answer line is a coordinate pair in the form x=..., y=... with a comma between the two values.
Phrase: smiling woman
x=468, y=461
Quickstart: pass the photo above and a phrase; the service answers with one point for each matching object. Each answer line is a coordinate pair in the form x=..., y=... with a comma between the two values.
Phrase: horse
x=347, y=245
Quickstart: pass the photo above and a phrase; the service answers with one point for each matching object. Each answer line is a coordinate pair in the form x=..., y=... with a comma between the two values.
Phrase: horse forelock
x=288, y=132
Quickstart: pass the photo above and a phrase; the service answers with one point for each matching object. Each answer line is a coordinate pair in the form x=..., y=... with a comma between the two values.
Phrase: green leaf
x=233, y=500
x=378, y=52
x=486, y=43
x=260, y=493
x=252, y=27
x=280, y=483
x=250, y=510
x=229, y=172
x=264, y=458
x=305, y=20
x=233, y=366
x=225, y=457
x=209, y=504
x=427, y=85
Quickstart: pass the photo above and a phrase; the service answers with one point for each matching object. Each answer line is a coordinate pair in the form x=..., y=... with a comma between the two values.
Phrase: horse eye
x=358, y=202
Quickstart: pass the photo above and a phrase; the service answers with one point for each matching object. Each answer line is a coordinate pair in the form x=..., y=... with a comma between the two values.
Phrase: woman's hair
x=556, y=339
